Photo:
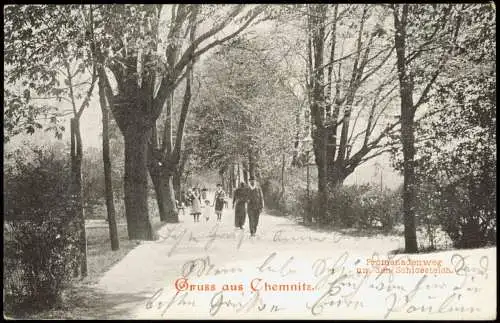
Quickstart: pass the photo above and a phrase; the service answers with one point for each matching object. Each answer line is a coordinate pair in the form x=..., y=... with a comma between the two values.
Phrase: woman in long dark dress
x=240, y=200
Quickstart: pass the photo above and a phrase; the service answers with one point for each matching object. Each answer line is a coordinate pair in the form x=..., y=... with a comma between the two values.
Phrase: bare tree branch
x=355, y=122
x=169, y=83
x=423, y=96
x=381, y=112
x=72, y=96
x=238, y=31
x=183, y=61
x=181, y=78
x=89, y=92
x=378, y=153
x=51, y=98
x=376, y=68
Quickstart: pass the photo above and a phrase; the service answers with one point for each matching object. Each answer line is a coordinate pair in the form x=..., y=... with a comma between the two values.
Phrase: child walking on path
x=219, y=198
x=196, y=205
x=206, y=210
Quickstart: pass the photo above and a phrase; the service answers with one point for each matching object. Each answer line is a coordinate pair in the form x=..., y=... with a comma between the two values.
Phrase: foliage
x=460, y=163
x=45, y=66
x=456, y=146
x=41, y=245
x=450, y=61
x=20, y=116
x=245, y=107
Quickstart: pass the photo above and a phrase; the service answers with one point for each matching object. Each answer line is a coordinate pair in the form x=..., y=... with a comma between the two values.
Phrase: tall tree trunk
x=231, y=180
x=245, y=172
x=163, y=183
x=76, y=171
x=239, y=174
x=282, y=194
x=409, y=183
x=407, y=132
x=136, y=185
x=172, y=214
x=322, y=185
x=320, y=156
x=256, y=166
x=176, y=181
x=235, y=177
x=182, y=167
x=336, y=174
x=317, y=17
x=296, y=144
x=332, y=109
x=168, y=132
x=222, y=178
x=136, y=126
x=162, y=175
x=108, y=184
x=251, y=164
x=167, y=192
x=160, y=191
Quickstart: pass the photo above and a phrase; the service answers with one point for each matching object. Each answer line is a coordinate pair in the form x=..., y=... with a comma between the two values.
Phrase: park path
x=142, y=284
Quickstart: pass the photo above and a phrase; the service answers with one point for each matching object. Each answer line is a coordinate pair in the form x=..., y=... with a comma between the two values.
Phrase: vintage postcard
x=325, y=161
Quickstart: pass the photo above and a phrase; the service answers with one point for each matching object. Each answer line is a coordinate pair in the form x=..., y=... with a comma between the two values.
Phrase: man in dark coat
x=255, y=205
x=240, y=200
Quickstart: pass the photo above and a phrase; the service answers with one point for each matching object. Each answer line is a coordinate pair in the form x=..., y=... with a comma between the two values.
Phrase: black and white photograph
x=318, y=161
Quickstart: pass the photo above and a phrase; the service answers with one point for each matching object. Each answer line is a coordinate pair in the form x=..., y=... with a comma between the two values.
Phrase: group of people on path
x=247, y=200
x=199, y=202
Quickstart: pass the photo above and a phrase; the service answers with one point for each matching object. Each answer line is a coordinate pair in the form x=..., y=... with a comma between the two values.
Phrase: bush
x=382, y=209
x=360, y=206
x=273, y=195
x=293, y=201
x=345, y=208
x=41, y=244
x=469, y=215
x=298, y=204
x=465, y=210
